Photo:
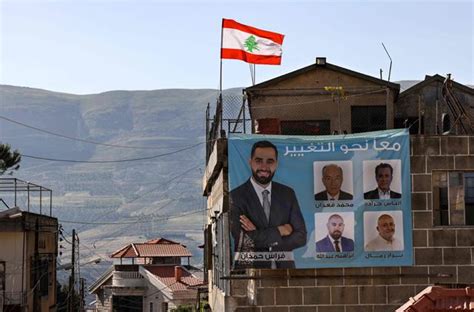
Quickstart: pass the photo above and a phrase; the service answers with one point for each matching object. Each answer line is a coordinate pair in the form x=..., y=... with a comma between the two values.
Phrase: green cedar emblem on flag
x=251, y=44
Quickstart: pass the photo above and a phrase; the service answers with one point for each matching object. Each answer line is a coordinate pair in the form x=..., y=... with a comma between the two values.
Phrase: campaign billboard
x=320, y=201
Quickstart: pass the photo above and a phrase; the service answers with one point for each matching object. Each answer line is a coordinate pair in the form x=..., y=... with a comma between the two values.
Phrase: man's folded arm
x=298, y=237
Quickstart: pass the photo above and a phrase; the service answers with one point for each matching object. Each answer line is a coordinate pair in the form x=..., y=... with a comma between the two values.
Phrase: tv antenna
x=390, y=69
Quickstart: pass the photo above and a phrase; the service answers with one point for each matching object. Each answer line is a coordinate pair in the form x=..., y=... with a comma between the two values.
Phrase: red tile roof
x=160, y=247
x=435, y=298
x=166, y=274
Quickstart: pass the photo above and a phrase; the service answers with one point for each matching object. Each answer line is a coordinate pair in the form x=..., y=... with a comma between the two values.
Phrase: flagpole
x=220, y=77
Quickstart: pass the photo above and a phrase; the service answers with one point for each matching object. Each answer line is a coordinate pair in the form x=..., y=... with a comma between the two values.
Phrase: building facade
x=324, y=99
x=28, y=254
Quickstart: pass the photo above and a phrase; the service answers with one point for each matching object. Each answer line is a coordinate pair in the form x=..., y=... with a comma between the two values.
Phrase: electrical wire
x=137, y=221
x=112, y=161
x=75, y=138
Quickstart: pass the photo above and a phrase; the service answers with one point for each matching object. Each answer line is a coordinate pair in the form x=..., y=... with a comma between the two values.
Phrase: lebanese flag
x=250, y=44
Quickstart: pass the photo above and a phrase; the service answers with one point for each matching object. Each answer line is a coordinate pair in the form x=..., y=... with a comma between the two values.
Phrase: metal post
x=50, y=203
x=28, y=194
x=71, y=292
x=15, y=194
x=41, y=200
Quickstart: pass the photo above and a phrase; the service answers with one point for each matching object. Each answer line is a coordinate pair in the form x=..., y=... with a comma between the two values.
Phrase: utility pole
x=82, y=303
x=71, y=292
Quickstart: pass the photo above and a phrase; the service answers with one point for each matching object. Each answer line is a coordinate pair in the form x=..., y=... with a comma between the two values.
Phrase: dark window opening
x=305, y=127
x=368, y=118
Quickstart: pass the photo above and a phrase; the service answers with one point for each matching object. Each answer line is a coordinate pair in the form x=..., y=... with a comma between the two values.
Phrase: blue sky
x=90, y=46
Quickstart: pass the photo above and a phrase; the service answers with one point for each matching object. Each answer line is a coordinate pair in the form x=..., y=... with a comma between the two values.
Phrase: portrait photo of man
x=386, y=239
x=334, y=240
x=384, y=177
x=264, y=214
x=332, y=177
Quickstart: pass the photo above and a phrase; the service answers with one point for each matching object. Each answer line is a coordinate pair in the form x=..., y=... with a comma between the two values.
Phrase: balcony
x=127, y=279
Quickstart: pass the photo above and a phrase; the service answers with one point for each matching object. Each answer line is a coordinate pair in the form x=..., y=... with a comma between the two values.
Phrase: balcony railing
x=127, y=279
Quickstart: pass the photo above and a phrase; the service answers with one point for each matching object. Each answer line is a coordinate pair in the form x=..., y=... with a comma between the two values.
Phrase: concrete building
x=154, y=279
x=28, y=251
x=322, y=99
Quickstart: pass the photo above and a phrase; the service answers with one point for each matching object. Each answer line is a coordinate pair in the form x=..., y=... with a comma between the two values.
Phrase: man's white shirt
x=380, y=244
x=259, y=190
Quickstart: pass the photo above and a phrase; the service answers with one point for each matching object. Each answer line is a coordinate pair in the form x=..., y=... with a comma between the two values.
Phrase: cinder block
x=420, y=238
x=446, y=274
x=339, y=308
x=303, y=309
x=465, y=237
x=466, y=274
x=247, y=309
x=471, y=145
x=454, y=145
x=442, y=238
x=425, y=145
x=415, y=275
x=422, y=219
x=289, y=296
x=344, y=295
x=418, y=164
x=400, y=294
x=386, y=307
x=464, y=162
x=359, y=308
x=358, y=276
x=457, y=255
x=302, y=277
x=428, y=256
x=265, y=296
x=386, y=275
x=274, y=278
x=373, y=294
x=421, y=183
x=418, y=201
x=275, y=309
x=239, y=287
x=439, y=162
x=329, y=277
x=316, y=295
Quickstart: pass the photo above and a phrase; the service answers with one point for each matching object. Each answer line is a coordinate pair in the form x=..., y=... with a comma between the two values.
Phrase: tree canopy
x=9, y=160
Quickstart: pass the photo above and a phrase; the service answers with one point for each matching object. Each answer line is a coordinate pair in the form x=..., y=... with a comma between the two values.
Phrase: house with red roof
x=149, y=276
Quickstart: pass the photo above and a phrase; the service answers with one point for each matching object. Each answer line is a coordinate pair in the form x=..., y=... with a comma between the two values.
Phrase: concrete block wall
x=443, y=255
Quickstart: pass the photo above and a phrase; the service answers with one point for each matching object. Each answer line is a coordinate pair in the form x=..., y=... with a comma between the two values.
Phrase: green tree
x=9, y=160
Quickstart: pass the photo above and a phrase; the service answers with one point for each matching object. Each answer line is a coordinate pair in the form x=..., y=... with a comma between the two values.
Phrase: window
x=368, y=118
x=305, y=127
x=453, y=197
x=151, y=306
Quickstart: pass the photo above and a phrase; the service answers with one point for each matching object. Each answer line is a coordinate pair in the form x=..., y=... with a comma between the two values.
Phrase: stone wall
x=443, y=255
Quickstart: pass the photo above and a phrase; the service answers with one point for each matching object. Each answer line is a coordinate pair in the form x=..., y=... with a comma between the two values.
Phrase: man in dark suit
x=383, y=176
x=265, y=215
x=332, y=180
x=334, y=241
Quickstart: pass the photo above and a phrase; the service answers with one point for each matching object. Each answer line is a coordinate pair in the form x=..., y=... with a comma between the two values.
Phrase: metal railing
x=33, y=196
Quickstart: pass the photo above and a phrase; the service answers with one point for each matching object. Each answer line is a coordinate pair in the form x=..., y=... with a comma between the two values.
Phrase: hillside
x=120, y=202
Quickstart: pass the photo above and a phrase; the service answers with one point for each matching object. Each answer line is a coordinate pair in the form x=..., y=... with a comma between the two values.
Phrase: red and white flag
x=250, y=44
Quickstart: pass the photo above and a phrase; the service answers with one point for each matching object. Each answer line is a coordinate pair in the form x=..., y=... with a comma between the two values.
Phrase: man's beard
x=262, y=180
x=336, y=235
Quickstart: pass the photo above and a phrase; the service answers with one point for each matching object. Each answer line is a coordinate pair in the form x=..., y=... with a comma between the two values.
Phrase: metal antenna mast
x=390, y=69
